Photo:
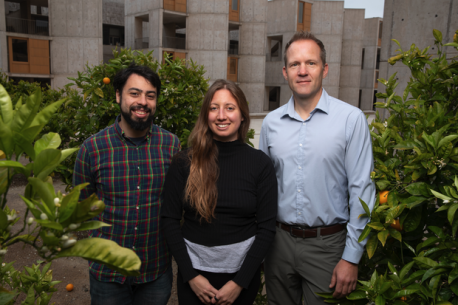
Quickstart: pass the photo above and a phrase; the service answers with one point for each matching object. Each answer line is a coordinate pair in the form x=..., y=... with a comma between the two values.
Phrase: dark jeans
x=156, y=292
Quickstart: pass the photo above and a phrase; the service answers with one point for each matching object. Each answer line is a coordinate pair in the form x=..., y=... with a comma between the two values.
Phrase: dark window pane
x=301, y=12
x=20, y=52
x=235, y=5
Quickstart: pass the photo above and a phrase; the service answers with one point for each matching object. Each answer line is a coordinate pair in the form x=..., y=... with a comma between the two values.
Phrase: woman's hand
x=227, y=294
x=203, y=289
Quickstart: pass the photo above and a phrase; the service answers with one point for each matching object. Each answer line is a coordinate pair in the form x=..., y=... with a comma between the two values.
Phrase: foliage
x=55, y=217
x=416, y=160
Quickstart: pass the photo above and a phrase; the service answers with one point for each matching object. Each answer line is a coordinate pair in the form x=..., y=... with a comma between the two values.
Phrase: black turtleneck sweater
x=246, y=207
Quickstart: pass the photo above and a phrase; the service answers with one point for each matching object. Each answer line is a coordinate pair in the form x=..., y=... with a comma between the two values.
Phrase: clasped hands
x=207, y=294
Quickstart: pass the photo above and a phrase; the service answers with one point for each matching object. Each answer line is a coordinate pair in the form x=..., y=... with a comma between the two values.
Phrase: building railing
x=233, y=49
x=27, y=26
x=142, y=43
x=174, y=42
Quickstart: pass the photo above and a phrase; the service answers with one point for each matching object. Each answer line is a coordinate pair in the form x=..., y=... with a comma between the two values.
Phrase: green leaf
x=418, y=189
x=6, y=296
x=6, y=140
x=395, y=234
x=440, y=196
x=438, y=231
x=46, y=195
x=367, y=230
x=376, y=225
x=438, y=35
x=67, y=153
x=433, y=272
x=105, y=252
x=50, y=140
x=69, y=204
x=410, y=247
x=371, y=245
x=451, y=212
x=6, y=107
x=380, y=300
x=433, y=284
x=11, y=164
x=453, y=275
x=50, y=224
x=99, y=92
x=3, y=220
x=365, y=207
x=46, y=162
x=382, y=236
x=425, y=261
x=405, y=270
x=92, y=225
x=24, y=144
x=447, y=140
x=357, y=295
x=26, y=113
x=45, y=115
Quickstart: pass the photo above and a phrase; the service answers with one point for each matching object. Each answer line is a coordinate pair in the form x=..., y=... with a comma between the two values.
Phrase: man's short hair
x=123, y=75
x=301, y=35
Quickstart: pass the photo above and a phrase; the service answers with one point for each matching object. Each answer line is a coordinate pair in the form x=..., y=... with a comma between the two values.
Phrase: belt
x=308, y=232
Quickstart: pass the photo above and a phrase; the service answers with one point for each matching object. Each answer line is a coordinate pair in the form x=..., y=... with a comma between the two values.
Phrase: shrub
x=411, y=255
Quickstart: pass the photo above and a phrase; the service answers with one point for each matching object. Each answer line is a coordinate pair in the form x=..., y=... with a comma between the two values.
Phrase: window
x=234, y=6
x=362, y=59
x=274, y=98
x=304, y=16
x=113, y=35
x=20, y=49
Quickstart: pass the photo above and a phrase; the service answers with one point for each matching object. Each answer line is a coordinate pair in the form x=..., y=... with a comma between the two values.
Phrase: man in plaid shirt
x=125, y=165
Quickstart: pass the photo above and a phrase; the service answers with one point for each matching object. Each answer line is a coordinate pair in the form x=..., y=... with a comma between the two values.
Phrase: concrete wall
x=352, y=45
x=327, y=25
x=113, y=12
x=252, y=61
x=412, y=21
x=76, y=30
x=281, y=16
x=207, y=35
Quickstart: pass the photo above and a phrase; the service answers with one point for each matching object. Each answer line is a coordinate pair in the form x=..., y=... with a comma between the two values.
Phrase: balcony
x=174, y=42
x=142, y=43
x=27, y=26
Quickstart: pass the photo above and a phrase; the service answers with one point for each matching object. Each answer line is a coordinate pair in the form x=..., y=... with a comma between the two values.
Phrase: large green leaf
x=69, y=204
x=32, y=132
x=418, y=189
x=5, y=295
x=46, y=162
x=371, y=245
x=50, y=140
x=425, y=261
x=451, y=212
x=45, y=115
x=106, y=252
x=440, y=196
x=26, y=113
x=447, y=140
x=92, y=225
x=6, y=138
x=453, y=275
x=4, y=172
x=11, y=164
x=6, y=107
x=24, y=144
x=67, y=153
x=382, y=236
x=45, y=193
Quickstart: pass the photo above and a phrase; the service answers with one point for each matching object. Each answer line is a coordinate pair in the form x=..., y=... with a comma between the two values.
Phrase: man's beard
x=138, y=125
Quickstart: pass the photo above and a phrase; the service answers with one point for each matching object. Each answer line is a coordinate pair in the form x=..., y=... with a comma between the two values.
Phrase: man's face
x=138, y=102
x=304, y=70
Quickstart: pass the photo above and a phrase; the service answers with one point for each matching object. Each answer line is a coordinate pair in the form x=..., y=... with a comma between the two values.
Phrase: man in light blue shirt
x=322, y=153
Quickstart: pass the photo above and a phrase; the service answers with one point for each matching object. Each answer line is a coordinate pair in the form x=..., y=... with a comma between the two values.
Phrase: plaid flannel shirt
x=129, y=179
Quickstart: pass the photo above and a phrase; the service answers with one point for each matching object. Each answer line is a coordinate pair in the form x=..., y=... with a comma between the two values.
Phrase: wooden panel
x=39, y=56
x=307, y=16
x=232, y=67
x=180, y=6
x=179, y=55
x=169, y=5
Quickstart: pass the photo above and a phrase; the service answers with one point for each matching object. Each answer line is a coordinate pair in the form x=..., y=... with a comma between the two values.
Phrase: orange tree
x=411, y=254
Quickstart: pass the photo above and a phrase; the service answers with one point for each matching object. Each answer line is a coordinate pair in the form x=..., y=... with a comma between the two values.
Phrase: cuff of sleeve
x=188, y=274
x=352, y=255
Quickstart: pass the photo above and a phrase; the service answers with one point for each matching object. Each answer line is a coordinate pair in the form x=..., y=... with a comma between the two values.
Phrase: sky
x=374, y=8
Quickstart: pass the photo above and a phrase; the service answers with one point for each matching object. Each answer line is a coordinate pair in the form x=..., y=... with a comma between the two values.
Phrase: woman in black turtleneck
x=228, y=192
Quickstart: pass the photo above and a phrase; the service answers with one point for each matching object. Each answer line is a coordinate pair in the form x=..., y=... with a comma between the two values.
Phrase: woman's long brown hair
x=201, y=191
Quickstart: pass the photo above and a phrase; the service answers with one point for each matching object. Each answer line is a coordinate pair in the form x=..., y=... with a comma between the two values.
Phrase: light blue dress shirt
x=323, y=166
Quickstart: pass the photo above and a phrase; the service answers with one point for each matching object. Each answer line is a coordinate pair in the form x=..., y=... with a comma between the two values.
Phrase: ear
x=285, y=73
x=325, y=71
x=118, y=96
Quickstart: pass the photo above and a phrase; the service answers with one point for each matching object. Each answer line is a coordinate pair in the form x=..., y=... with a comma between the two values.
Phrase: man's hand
x=203, y=289
x=227, y=294
x=344, y=278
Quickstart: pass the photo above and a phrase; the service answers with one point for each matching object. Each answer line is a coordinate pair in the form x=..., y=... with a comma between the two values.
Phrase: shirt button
x=135, y=228
x=303, y=123
x=298, y=191
x=300, y=144
x=139, y=167
x=299, y=167
x=138, y=187
x=133, y=247
x=299, y=213
x=137, y=208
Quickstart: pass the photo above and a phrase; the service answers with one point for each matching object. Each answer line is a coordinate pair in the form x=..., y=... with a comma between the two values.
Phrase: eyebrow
x=141, y=91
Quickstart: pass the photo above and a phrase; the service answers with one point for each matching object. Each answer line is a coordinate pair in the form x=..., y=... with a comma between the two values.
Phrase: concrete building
x=412, y=21
x=49, y=40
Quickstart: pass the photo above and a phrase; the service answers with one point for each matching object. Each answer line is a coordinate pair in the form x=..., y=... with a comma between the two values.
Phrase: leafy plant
x=411, y=255
x=56, y=217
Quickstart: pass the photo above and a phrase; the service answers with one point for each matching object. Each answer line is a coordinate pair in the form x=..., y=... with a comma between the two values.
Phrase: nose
x=303, y=69
x=142, y=99
x=221, y=114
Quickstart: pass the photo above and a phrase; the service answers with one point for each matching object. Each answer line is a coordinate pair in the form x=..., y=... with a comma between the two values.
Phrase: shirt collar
x=121, y=133
x=323, y=105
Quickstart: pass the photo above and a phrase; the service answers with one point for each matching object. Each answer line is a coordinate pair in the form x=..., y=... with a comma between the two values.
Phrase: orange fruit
x=384, y=197
x=106, y=80
x=69, y=287
x=396, y=225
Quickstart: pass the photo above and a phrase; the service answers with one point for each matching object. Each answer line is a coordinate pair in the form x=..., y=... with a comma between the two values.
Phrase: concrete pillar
x=252, y=61
x=352, y=45
x=76, y=31
x=327, y=25
x=207, y=36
